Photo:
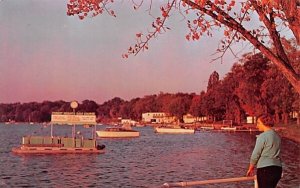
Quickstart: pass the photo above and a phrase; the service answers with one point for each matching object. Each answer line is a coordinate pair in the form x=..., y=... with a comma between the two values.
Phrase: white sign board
x=68, y=118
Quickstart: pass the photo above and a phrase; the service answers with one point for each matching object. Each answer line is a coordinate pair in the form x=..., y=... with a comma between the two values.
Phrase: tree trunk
x=298, y=118
x=277, y=119
x=238, y=117
x=285, y=118
x=283, y=66
x=281, y=63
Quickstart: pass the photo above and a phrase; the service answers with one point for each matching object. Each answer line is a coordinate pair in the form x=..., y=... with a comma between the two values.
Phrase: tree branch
x=141, y=45
x=270, y=25
x=282, y=65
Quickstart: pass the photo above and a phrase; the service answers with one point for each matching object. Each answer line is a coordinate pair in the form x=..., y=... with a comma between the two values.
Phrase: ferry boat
x=117, y=132
x=63, y=145
x=57, y=145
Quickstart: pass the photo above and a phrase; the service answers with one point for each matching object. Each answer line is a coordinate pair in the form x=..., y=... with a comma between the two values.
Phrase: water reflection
x=147, y=161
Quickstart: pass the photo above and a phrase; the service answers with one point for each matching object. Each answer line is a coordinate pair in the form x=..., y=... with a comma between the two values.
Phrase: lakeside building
x=158, y=117
x=128, y=121
x=251, y=119
x=188, y=118
x=294, y=114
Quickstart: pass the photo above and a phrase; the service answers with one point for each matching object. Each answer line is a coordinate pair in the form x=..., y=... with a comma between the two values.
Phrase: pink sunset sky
x=46, y=55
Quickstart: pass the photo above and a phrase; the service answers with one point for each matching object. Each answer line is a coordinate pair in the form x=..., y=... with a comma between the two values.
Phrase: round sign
x=74, y=104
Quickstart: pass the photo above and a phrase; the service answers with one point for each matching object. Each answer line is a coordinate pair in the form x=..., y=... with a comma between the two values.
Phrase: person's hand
x=250, y=171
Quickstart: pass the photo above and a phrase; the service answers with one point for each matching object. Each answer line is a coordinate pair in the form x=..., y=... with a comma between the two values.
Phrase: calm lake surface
x=147, y=161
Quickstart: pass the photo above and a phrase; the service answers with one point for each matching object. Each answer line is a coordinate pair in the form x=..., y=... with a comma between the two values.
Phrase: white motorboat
x=207, y=127
x=117, y=132
x=171, y=130
x=228, y=128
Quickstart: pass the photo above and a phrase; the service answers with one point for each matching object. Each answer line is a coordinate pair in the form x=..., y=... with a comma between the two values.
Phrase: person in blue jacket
x=266, y=154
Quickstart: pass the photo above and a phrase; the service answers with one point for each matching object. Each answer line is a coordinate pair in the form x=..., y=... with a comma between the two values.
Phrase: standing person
x=265, y=155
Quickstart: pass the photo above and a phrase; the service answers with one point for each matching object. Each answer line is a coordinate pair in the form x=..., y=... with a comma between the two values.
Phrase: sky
x=46, y=55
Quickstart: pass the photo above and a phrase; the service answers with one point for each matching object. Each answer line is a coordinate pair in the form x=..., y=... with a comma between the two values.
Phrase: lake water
x=147, y=161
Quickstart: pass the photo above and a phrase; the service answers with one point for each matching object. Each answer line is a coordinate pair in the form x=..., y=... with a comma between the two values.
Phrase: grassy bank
x=290, y=131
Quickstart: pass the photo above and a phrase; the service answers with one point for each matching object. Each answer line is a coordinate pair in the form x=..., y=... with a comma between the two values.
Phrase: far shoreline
x=290, y=131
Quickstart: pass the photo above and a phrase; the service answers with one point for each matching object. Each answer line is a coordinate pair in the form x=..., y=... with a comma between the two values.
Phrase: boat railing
x=48, y=141
x=212, y=181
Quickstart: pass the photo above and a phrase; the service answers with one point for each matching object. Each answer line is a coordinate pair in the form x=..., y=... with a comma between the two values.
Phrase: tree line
x=253, y=86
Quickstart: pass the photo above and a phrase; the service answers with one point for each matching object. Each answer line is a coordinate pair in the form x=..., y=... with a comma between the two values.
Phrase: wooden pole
x=213, y=181
x=51, y=130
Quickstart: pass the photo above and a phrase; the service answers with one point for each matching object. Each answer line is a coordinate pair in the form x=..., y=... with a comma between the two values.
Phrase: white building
x=251, y=119
x=188, y=118
x=128, y=121
x=157, y=117
x=294, y=114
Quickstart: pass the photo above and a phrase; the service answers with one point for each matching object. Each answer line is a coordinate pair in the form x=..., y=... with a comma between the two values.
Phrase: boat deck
x=54, y=150
x=47, y=145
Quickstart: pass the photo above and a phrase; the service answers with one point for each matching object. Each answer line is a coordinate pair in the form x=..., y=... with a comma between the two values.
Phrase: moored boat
x=228, y=128
x=117, y=132
x=207, y=128
x=171, y=130
x=62, y=145
x=57, y=145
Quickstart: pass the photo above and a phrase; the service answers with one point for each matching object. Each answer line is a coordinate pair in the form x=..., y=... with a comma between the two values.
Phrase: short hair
x=266, y=119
